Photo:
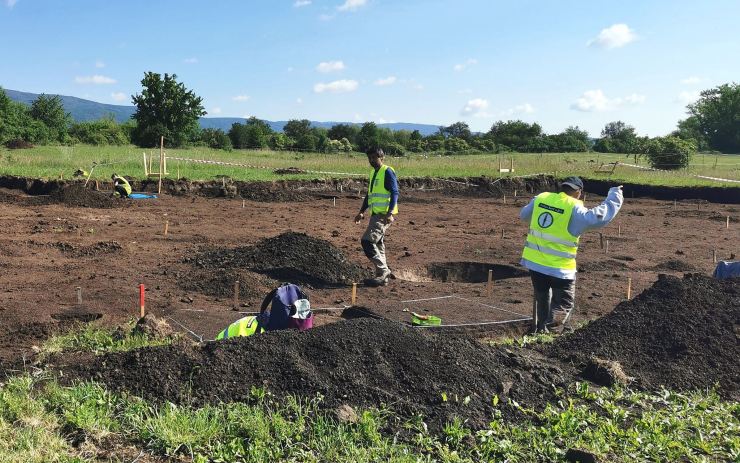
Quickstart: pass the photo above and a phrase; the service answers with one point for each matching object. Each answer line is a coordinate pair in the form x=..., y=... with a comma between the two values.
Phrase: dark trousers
x=551, y=294
x=121, y=191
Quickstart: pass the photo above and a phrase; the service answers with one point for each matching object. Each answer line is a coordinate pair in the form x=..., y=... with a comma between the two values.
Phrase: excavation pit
x=460, y=272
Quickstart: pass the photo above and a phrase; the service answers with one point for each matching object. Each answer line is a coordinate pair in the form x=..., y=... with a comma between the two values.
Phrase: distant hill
x=86, y=110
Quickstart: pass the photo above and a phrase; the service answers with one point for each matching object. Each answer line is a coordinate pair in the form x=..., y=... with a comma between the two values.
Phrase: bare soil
x=50, y=246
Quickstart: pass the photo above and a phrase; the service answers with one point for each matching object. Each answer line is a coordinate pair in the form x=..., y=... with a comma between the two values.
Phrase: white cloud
x=690, y=80
x=351, y=5
x=10, y=3
x=475, y=107
x=96, y=79
x=215, y=110
x=635, y=98
x=300, y=3
x=338, y=86
x=460, y=66
x=190, y=60
x=99, y=64
x=687, y=97
x=241, y=98
x=597, y=101
x=118, y=96
x=330, y=66
x=615, y=36
x=390, y=80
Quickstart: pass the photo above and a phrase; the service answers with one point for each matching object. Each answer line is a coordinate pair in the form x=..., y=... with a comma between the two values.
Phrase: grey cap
x=573, y=182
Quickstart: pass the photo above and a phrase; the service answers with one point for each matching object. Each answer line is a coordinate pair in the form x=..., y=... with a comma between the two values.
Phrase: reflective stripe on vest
x=378, y=198
x=246, y=326
x=549, y=243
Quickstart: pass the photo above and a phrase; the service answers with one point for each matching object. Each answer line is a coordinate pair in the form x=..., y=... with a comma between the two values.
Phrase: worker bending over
x=556, y=222
x=121, y=186
x=382, y=200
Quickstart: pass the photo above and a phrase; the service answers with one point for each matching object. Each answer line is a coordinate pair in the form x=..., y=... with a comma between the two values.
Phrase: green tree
x=457, y=130
x=50, y=110
x=165, y=108
x=369, y=136
x=618, y=137
x=348, y=131
x=216, y=139
x=455, y=145
x=570, y=140
x=517, y=135
x=254, y=134
x=296, y=128
x=105, y=131
x=670, y=153
x=717, y=115
x=689, y=129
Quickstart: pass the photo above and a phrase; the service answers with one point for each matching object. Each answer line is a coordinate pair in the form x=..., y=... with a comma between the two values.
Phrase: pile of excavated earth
x=294, y=257
x=681, y=334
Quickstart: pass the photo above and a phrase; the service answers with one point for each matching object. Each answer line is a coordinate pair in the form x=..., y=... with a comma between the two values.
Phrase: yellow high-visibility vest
x=378, y=198
x=124, y=182
x=549, y=243
x=246, y=326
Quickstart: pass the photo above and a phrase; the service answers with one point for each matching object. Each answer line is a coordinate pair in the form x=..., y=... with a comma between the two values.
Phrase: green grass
x=38, y=417
x=53, y=161
x=99, y=339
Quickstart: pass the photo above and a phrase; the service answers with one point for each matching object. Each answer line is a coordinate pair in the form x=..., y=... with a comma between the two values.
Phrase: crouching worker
x=289, y=308
x=121, y=187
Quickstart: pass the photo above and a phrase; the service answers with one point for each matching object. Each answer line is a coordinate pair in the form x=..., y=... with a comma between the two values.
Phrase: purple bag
x=301, y=324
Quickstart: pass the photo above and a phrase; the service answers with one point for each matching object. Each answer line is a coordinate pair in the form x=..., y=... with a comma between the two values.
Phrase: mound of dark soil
x=220, y=283
x=681, y=333
x=360, y=362
x=93, y=250
x=675, y=265
x=289, y=171
x=77, y=195
x=294, y=257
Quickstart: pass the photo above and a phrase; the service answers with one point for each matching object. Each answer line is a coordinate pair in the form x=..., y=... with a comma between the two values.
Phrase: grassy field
x=56, y=161
x=39, y=418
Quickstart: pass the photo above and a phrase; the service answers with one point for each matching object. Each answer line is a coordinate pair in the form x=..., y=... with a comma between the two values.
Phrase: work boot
x=557, y=318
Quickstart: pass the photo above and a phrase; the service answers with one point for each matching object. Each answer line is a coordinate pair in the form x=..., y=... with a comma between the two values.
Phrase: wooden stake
x=166, y=227
x=727, y=223
x=515, y=193
x=629, y=288
x=503, y=233
x=619, y=229
x=354, y=293
x=489, y=285
x=236, y=295
x=606, y=249
x=698, y=205
x=79, y=295
x=504, y=199
x=161, y=163
x=244, y=204
x=714, y=256
x=601, y=240
x=142, y=310
x=534, y=314
x=511, y=168
x=674, y=203
x=499, y=165
x=334, y=201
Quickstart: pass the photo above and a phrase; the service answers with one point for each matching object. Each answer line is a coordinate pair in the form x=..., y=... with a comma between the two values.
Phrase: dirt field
x=442, y=244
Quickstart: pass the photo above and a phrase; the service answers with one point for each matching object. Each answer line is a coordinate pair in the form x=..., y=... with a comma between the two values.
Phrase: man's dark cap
x=573, y=182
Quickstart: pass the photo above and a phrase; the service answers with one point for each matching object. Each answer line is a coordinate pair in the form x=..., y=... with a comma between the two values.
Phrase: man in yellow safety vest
x=382, y=200
x=556, y=222
x=121, y=186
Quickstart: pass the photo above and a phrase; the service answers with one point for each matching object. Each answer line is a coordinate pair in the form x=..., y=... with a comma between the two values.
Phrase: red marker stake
x=141, y=300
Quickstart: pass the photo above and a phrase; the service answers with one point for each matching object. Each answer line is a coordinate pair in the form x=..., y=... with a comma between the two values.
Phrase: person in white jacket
x=556, y=222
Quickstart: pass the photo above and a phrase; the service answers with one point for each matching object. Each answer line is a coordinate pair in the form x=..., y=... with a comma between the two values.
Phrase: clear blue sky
x=559, y=63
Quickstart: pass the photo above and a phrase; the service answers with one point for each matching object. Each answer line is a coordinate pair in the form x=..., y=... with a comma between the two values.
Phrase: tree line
x=165, y=107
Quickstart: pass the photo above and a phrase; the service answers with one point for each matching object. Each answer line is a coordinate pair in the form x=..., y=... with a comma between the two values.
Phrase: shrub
x=101, y=132
x=670, y=153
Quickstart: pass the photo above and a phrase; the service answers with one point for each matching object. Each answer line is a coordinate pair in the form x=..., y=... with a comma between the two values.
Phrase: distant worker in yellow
x=556, y=222
x=382, y=200
x=80, y=173
x=121, y=187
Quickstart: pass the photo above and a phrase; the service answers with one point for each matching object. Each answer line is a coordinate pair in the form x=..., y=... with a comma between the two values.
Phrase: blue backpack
x=281, y=298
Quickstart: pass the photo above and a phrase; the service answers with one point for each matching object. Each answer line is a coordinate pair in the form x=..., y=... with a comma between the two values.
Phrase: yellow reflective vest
x=246, y=326
x=122, y=181
x=378, y=198
x=549, y=243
